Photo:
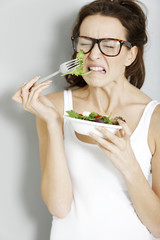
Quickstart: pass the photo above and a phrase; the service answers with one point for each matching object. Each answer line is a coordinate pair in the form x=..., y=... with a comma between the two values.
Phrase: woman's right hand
x=32, y=100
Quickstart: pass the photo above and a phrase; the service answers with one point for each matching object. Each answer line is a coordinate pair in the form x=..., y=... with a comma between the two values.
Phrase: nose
x=95, y=53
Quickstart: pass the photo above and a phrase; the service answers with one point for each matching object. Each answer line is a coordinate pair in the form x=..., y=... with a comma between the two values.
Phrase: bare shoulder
x=57, y=99
x=156, y=113
x=155, y=130
x=155, y=126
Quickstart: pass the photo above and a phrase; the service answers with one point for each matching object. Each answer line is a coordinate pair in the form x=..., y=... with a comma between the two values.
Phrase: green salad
x=95, y=117
x=79, y=70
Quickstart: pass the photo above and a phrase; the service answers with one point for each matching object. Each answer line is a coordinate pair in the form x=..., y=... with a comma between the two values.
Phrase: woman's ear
x=132, y=53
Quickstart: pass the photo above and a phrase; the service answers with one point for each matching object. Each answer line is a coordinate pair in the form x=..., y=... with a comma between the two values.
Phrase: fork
x=63, y=68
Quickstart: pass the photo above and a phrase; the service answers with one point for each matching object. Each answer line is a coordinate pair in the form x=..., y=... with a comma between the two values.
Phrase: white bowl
x=85, y=127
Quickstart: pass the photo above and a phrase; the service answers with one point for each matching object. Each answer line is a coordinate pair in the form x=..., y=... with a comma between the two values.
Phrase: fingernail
x=23, y=84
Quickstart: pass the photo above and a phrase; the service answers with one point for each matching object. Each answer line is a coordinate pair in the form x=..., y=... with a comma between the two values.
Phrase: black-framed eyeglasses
x=110, y=47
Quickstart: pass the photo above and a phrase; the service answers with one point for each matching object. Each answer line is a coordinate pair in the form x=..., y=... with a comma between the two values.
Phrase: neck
x=108, y=98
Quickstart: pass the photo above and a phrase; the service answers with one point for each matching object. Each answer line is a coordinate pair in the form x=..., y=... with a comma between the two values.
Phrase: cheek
x=84, y=62
x=117, y=65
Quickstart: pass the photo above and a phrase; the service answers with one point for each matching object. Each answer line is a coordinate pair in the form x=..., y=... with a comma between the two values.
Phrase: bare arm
x=146, y=200
x=56, y=186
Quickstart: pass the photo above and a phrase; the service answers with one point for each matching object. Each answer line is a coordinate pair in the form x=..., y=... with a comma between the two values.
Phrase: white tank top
x=101, y=208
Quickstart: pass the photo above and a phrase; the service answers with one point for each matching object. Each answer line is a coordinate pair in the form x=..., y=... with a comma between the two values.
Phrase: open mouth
x=97, y=69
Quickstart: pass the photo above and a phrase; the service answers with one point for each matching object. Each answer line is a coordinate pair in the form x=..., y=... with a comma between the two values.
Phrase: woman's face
x=98, y=26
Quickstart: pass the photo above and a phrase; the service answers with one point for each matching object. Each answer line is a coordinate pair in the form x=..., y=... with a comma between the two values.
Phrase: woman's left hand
x=117, y=149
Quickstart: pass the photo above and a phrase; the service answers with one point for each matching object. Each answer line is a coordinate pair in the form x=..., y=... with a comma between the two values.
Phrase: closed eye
x=85, y=44
x=108, y=46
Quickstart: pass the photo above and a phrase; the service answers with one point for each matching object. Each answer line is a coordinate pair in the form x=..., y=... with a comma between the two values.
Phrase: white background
x=34, y=40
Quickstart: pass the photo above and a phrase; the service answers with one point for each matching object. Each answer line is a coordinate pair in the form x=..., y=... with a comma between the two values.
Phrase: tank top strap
x=144, y=123
x=68, y=104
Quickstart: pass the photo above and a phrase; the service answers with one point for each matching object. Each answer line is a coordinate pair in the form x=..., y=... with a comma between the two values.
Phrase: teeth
x=97, y=68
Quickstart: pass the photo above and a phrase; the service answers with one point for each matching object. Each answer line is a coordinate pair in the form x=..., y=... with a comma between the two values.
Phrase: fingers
x=122, y=133
x=28, y=94
x=112, y=138
x=22, y=94
x=126, y=131
x=113, y=142
x=109, y=135
x=36, y=91
x=30, y=84
x=103, y=142
x=17, y=96
x=26, y=89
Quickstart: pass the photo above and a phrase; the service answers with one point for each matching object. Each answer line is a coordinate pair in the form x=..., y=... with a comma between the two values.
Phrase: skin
x=104, y=93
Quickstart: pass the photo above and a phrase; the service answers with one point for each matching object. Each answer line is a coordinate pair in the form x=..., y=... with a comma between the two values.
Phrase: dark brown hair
x=133, y=19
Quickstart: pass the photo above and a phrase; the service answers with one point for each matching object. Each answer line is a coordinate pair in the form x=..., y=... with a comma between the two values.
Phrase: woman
x=98, y=188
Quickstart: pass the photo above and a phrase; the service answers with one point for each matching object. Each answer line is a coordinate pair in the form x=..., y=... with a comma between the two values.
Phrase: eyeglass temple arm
x=128, y=44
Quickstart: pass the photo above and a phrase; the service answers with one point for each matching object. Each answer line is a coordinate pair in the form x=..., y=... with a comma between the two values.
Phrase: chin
x=95, y=83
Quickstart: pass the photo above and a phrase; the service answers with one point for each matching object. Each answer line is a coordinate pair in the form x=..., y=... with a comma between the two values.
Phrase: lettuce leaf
x=79, y=70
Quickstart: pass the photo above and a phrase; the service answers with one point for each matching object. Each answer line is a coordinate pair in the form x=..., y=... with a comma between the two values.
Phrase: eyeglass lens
x=108, y=47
